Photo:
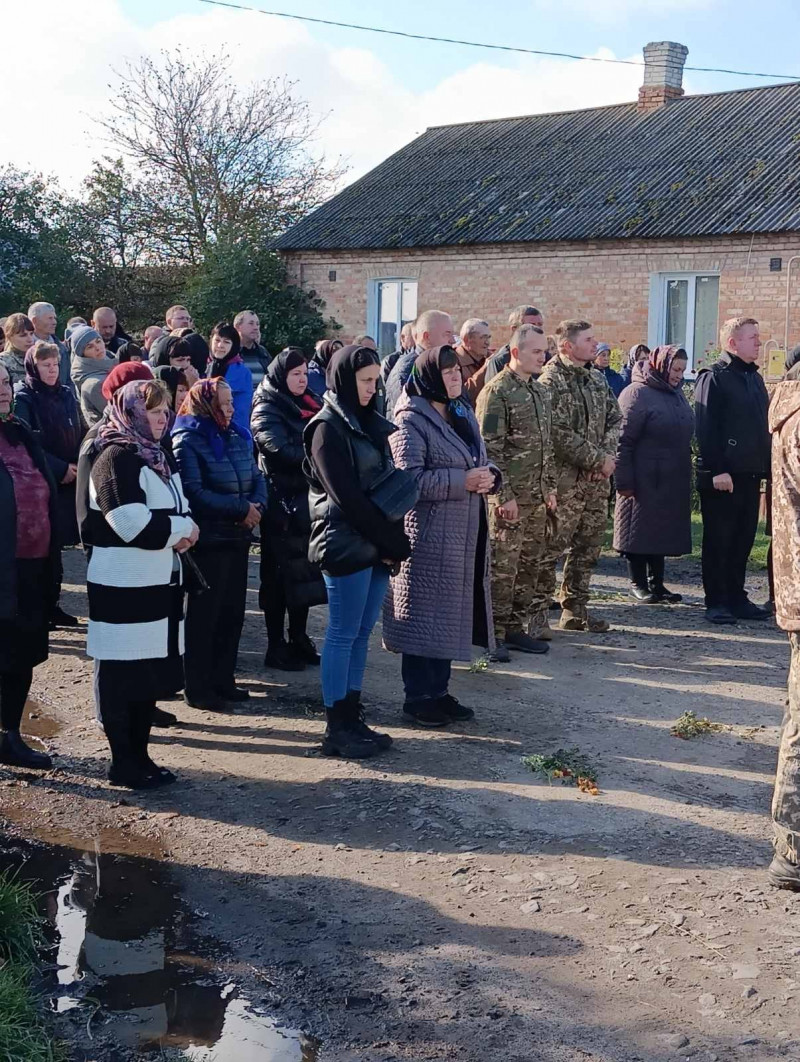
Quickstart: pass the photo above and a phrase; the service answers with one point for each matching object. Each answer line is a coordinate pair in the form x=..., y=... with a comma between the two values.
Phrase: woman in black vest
x=282, y=407
x=29, y=573
x=353, y=542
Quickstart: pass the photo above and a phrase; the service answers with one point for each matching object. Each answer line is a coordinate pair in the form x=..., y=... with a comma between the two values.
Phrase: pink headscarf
x=125, y=423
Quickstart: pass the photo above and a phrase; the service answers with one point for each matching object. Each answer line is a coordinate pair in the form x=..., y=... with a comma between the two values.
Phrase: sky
x=372, y=93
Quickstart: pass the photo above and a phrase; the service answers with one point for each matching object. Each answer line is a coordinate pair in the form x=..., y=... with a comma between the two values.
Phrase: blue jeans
x=354, y=603
x=425, y=678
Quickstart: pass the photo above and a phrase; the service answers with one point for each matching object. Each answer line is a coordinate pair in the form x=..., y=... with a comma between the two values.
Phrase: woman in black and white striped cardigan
x=137, y=524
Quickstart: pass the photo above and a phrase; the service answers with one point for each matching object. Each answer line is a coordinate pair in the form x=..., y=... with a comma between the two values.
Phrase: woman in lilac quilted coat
x=653, y=517
x=439, y=604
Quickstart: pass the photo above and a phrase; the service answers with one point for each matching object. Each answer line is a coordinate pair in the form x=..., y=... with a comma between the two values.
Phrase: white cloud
x=370, y=108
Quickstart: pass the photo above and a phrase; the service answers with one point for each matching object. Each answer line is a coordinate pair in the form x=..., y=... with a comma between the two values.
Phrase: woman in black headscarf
x=318, y=366
x=439, y=603
x=282, y=407
x=353, y=541
x=178, y=386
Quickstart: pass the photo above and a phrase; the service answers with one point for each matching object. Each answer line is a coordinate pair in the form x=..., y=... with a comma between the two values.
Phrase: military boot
x=576, y=621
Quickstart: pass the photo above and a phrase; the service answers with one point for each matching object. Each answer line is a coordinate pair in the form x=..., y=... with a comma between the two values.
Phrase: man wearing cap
x=602, y=362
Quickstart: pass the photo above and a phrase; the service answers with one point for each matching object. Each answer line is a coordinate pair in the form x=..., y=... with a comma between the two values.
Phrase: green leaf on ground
x=569, y=766
x=689, y=726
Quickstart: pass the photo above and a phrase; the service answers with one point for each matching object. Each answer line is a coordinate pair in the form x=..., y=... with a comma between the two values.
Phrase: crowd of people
x=437, y=489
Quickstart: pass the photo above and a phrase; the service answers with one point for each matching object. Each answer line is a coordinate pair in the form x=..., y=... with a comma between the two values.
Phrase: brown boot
x=539, y=627
x=573, y=621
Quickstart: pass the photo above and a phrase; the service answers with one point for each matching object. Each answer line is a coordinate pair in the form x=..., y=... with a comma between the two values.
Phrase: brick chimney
x=663, y=74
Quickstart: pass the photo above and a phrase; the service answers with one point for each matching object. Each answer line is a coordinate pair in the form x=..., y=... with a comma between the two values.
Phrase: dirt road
x=441, y=902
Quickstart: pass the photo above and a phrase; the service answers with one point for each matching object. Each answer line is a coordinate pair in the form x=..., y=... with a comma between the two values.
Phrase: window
x=684, y=310
x=391, y=304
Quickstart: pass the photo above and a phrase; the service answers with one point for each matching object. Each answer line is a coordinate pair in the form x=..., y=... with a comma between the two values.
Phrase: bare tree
x=215, y=161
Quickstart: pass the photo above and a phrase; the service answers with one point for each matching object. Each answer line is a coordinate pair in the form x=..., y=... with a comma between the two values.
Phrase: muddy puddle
x=130, y=968
x=36, y=722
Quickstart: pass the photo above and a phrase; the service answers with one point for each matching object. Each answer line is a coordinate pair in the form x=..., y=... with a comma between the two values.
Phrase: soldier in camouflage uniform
x=514, y=416
x=586, y=422
x=784, y=423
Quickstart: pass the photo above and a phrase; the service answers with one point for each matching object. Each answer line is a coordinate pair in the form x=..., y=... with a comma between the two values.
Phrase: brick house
x=655, y=220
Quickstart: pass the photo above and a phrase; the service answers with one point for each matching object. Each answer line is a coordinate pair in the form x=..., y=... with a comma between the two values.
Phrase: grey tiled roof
x=702, y=165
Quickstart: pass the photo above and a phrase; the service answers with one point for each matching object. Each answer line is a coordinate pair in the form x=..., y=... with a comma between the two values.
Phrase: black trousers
x=14, y=689
x=273, y=601
x=730, y=522
x=424, y=677
x=214, y=620
x=126, y=721
x=646, y=570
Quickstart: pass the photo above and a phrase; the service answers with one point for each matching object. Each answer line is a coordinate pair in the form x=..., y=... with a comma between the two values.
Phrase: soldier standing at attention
x=586, y=422
x=514, y=416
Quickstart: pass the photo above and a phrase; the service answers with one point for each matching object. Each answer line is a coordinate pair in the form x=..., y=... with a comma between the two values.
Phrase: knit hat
x=81, y=338
x=603, y=348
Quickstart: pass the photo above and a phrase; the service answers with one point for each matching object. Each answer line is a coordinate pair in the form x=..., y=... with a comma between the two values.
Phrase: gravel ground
x=442, y=902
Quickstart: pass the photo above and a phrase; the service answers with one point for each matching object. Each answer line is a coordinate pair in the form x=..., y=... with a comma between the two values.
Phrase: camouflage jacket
x=586, y=418
x=784, y=423
x=515, y=419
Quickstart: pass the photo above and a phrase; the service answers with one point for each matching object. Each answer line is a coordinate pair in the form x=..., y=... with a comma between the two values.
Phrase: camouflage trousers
x=577, y=529
x=516, y=552
x=786, y=798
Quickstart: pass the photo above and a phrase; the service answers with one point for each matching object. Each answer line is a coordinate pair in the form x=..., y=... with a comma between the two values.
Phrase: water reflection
x=124, y=937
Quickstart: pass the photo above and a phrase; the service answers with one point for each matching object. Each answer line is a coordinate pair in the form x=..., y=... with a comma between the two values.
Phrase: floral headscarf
x=125, y=423
x=635, y=351
x=661, y=360
x=202, y=401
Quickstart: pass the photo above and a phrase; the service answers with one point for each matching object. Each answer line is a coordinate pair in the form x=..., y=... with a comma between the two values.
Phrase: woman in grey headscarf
x=638, y=352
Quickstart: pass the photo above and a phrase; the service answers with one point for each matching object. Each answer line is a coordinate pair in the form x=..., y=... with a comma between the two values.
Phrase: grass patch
x=758, y=554
x=688, y=726
x=23, y=1035
x=477, y=667
x=569, y=766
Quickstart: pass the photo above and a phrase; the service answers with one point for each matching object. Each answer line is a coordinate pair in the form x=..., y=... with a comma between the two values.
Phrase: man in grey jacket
x=90, y=366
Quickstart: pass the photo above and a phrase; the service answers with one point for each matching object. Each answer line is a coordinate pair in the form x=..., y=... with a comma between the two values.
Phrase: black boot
x=127, y=768
x=637, y=571
x=356, y=716
x=281, y=656
x=304, y=649
x=656, y=583
x=141, y=723
x=15, y=753
x=162, y=718
x=341, y=737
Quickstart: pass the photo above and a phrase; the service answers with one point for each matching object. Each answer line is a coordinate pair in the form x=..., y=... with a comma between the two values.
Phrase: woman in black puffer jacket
x=227, y=495
x=282, y=407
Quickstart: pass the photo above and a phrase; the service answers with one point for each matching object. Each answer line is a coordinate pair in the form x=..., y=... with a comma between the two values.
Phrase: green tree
x=247, y=276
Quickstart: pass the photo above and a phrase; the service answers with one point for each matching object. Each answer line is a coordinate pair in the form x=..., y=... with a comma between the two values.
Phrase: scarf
x=32, y=377
x=633, y=352
x=325, y=352
x=426, y=381
x=661, y=359
x=125, y=424
x=277, y=371
x=59, y=423
x=202, y=412
x=341, y=378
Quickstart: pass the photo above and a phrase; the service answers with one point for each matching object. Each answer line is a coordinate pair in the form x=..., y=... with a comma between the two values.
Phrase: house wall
x=607, y=283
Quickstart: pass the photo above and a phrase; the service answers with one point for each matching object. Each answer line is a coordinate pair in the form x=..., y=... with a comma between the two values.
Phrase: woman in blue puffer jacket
x=227, y=494
x=226, y=362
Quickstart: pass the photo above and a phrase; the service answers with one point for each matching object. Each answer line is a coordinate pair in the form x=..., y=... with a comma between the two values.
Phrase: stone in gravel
x=675, y=881
x=743, y=971
x=677, y=919
x=531, y=907
x=708, y=999
x=676, y=1040
x=566, y=880
x=515, y=879
x=748, y=992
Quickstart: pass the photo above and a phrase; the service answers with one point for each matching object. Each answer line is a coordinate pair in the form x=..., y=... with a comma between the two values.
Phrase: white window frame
x=657, y=316
x=373, y=324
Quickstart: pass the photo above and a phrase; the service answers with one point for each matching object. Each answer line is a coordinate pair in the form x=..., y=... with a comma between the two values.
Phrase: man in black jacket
x=731, y=409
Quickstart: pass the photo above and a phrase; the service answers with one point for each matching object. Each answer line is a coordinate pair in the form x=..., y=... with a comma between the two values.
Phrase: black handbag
x=395, y=492
x=195, y=583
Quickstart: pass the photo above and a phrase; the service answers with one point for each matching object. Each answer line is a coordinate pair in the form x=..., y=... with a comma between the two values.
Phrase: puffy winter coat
x=285, y=531
x=429, y=609
x=88, y=375
x=220, y=478
x=654, y=460
x=8, y=535
x=730, y=405
x=317, y=382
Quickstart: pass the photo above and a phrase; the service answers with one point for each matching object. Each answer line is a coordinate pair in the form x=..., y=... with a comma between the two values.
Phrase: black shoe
x=305, y=650
x=426, y=713
x=15, y=753
x=162, y=718
x=210, y=703
x=235, y=694
x=133, y=776
x=500, y=654
x=720, y=615
x=280, y=656
x=664, y=596
x=525, y=644
x=342, y=738
x=642, y=595
x=163, y=775
x=748, y=610
x=783, y=874
x=454, y=710
x=60, y=618
x=356, y=719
